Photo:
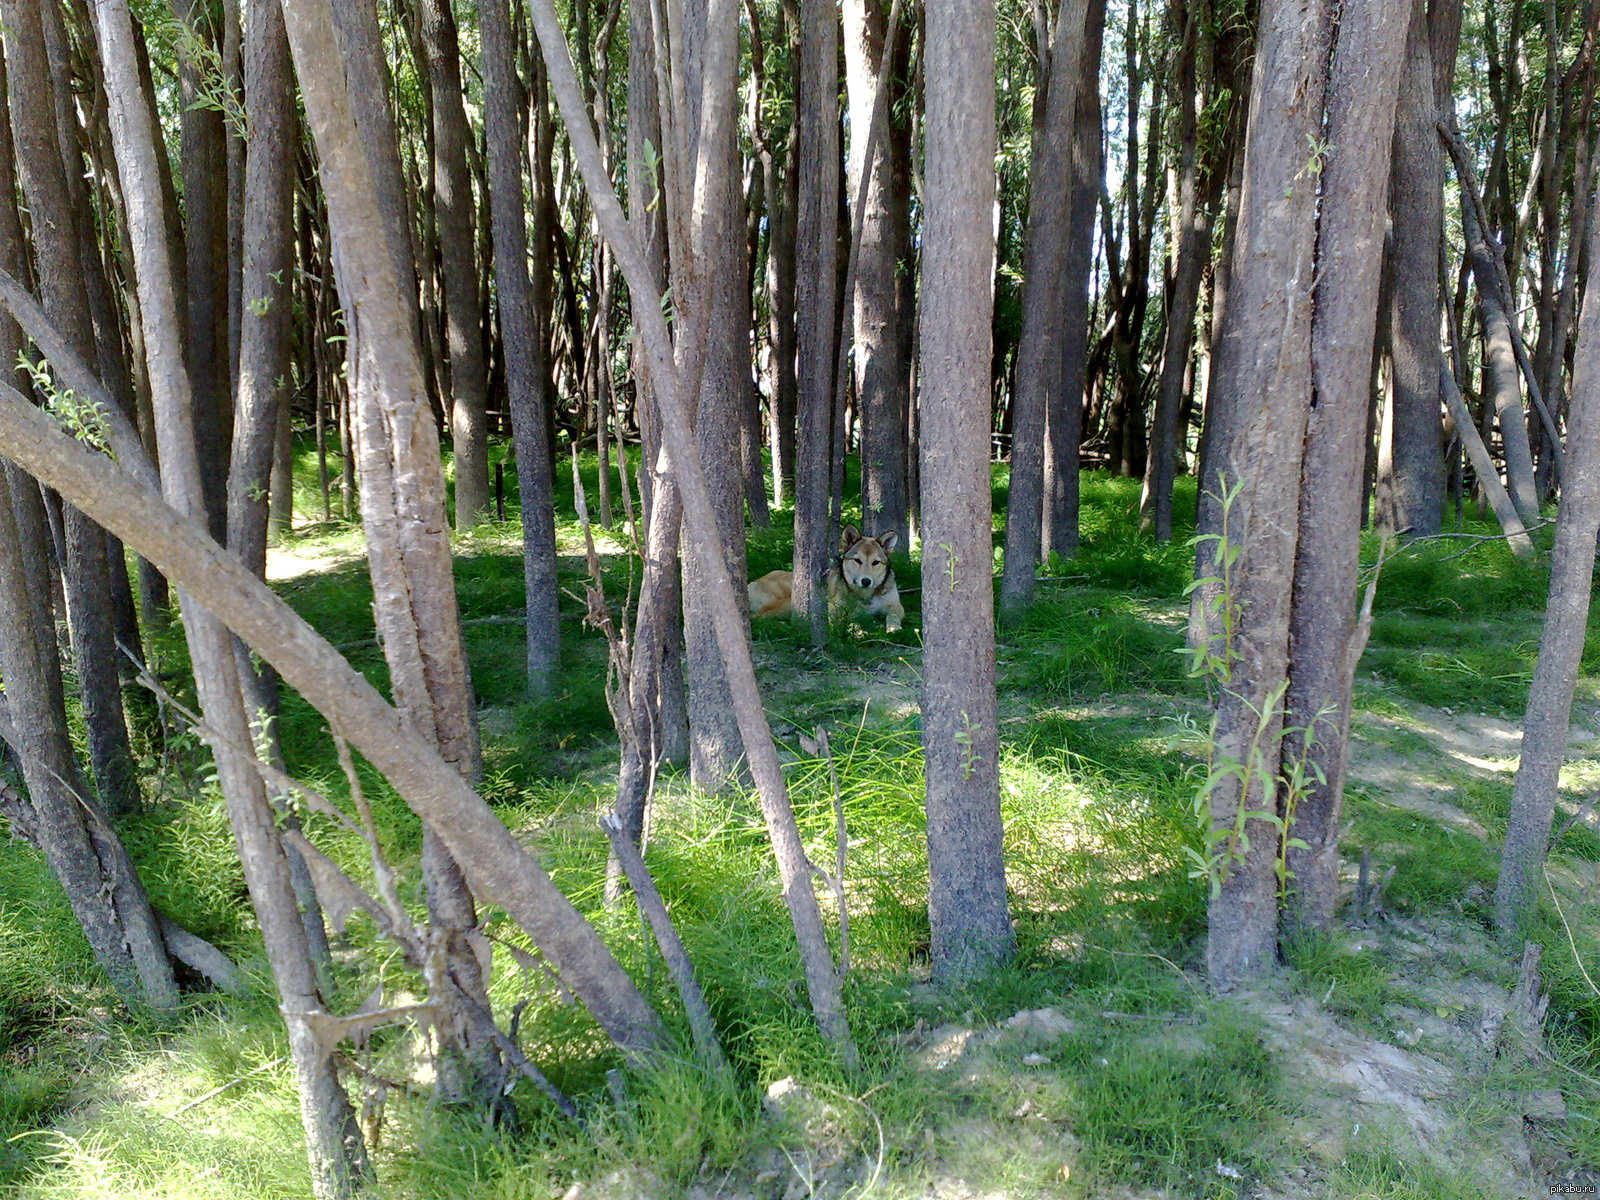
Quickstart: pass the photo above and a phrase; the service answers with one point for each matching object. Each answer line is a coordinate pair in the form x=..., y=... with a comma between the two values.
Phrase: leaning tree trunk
x=402, y=497
x=84, y=853
x=1323, y=638
x=795, y=870
x=1544, y=732
x=1261, y=390
x=971, y=928
x=337, y=1156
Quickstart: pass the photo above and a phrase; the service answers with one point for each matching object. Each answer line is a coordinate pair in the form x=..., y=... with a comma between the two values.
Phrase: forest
x=689, y=599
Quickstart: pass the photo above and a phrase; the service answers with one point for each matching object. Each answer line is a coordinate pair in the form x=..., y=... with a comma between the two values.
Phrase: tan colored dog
x=862, y=578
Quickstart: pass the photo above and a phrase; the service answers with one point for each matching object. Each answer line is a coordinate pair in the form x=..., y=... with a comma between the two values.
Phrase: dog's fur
x=861, y=579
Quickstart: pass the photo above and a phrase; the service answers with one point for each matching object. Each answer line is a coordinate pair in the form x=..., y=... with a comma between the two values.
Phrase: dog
x=861, y=579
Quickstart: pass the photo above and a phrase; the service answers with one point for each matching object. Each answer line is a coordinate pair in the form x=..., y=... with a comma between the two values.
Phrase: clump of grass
x=1090, y=642
x=1164, y=1111
x=1351, y=983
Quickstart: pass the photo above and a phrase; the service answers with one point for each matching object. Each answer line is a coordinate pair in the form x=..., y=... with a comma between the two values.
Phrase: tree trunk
x=1413, y=468
x=337, y=1157
x=795, y=870
x=713, y=306
x=59, y=269
x=1044, y=280
x=1064, y=416
x=1323, y=639
x=204, y=159
x=879, y=372
x=967, y=911
x=1191, y=252
x=1261, y=387
x=526, y=350
x=816, y=302
x=1544, y=733
x=402, y=502
x=452, y=189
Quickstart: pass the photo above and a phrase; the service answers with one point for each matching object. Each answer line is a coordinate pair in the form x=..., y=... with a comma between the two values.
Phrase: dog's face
x=864, y=561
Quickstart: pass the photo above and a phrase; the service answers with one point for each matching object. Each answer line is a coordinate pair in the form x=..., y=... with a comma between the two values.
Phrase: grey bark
x=337, y=1157
x=525, y=347
x=1044, y=282
x=879, y=374
x=58, y=266
x=816, y=300
x=712, y=306
x=1544, y=731
x=1499, y=343
x=452, y=190
x=1064, y=414
x=1324, y=641
x=402, y=501
x=1412, y=465
x=967, y=912
x=204, y=165
x=1261, y=387
x=822, y=979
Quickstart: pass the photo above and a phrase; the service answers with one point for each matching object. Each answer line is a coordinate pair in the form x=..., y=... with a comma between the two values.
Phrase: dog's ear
x=889, y=539
x=848, y=538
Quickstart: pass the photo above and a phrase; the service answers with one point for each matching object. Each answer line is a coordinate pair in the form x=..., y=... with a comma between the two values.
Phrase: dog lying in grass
x=861, y=579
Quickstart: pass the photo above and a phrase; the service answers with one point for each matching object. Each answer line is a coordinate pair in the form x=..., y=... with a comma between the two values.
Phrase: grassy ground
x=1371, y=1066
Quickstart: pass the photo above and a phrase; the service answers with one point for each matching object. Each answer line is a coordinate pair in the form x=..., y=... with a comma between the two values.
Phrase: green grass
x=1102, y=752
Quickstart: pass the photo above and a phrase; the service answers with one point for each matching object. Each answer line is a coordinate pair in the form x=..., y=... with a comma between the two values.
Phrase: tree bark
x=1064, y=415
x=58, y=267
x=816, y=301
x=1044, y=281
x=337, y=1156
x=1544, y=732
x=452, y=190
x=402, y=500
x=204, y=164
x=879, y=371
x=822, y=978
x=525, y=347
x=971, y=928
x=713, y=307
x=1413, y=464
x=1323, y=639
x=1261, y=387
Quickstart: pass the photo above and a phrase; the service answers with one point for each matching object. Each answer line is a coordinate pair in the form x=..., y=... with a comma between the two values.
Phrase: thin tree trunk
x=452, y=189
x=877, y=341
x=1544, y=733
x=816, y=301
x=822, y=978
x=522, y=336
x=337, y=1157
x=1044, y=282
x=205, y=192
x=971, y=928
x=1064, y=416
